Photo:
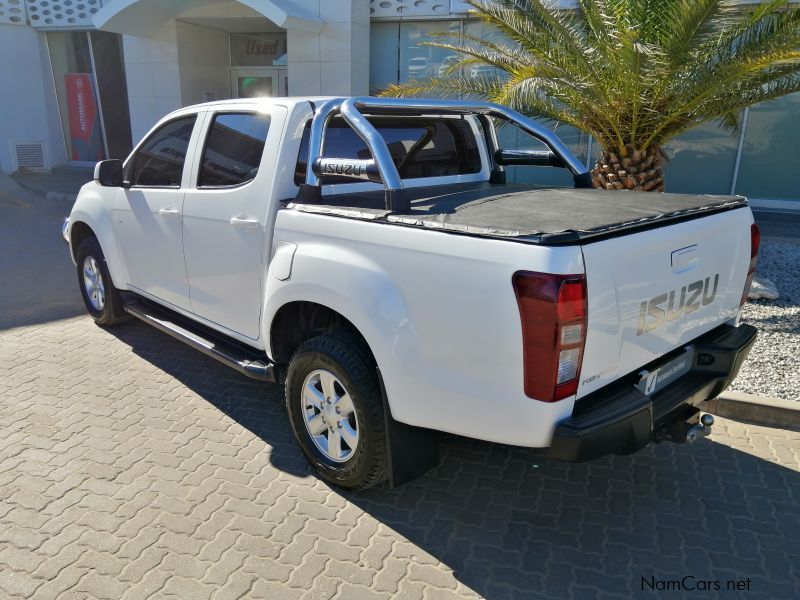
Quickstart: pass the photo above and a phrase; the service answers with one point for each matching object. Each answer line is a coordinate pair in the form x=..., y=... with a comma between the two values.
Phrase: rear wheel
x=101, y=298
x=334, y=403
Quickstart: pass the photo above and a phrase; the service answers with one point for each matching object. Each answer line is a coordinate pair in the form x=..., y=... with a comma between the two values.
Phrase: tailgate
x=652, y=291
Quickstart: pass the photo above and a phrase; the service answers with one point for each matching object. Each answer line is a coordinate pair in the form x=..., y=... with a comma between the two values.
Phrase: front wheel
x=334, y=403
x=101, y=298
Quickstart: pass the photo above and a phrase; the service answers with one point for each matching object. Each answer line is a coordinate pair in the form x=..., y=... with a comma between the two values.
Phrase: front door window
x=159, y=160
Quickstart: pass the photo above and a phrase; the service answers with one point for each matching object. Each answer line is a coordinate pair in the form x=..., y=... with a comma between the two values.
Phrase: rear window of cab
x=420, y=147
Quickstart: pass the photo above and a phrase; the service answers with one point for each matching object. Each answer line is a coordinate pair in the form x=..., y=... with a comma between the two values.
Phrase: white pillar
x=153, y=76
x=334, y=62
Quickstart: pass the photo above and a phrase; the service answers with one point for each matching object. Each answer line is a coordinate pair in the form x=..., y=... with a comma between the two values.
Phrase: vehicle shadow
x=512, y=524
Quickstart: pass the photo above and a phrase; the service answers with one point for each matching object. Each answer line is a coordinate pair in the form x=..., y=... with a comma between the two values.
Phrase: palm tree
x=632, y=73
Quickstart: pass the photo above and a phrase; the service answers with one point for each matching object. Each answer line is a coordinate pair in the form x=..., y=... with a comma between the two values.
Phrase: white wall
x=204, y=59
x=151, y=69
x=24, y=72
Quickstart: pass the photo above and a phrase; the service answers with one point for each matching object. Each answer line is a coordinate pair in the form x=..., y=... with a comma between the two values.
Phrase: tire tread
x=347, y=350
x=114, y=311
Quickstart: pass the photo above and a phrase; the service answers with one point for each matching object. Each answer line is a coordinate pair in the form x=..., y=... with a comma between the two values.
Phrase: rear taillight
x=755, y=242
x=552, y=310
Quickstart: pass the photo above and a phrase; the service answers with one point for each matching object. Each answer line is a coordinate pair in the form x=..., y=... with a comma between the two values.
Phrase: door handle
x=169, y=212
x=242, y=223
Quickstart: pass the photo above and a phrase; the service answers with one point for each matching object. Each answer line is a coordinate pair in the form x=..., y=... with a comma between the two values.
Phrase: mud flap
x=412, y=451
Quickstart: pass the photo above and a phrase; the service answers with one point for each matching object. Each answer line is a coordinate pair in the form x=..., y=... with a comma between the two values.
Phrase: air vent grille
x=29, y=156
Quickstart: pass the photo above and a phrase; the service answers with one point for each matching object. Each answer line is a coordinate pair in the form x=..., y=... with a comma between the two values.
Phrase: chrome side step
x=248, y=362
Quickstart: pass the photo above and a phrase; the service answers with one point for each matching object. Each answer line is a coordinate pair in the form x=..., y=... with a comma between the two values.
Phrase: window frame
x=210, y=119
x=128, y=166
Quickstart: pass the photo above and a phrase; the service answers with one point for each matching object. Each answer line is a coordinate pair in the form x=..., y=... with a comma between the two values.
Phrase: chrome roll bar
x=316, y=138
x=352, y=111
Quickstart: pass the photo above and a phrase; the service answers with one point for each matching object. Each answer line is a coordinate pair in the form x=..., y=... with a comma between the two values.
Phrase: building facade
x=85, y=79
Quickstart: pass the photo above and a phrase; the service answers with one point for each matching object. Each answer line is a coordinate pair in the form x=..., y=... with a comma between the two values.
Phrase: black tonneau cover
x=527, y=213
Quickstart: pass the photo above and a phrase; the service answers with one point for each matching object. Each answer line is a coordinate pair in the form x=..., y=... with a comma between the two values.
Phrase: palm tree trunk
x=640, y=171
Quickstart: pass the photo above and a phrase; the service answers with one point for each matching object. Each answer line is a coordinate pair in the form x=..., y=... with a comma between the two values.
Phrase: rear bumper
x=620, y=419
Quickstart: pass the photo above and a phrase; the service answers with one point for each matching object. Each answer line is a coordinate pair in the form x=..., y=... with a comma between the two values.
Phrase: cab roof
x=289, y=101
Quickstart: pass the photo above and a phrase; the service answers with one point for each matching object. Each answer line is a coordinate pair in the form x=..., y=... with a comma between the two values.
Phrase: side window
x=233, y=149
x=159, y=161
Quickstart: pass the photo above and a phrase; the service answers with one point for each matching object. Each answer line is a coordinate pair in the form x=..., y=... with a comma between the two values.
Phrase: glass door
x=252, y=82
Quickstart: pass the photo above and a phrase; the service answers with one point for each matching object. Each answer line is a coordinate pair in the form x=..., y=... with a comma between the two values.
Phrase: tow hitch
x=686, y=431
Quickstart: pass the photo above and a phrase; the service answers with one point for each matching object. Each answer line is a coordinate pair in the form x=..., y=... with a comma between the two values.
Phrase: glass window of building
x=259, y=64
x=384, y=45
x=89, y=77
x=701, y=160
x=418, y=61
x=769, y=163
x=258, y=49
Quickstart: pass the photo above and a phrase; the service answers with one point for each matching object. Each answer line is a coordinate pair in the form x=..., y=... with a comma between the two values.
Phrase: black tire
x=344, y=357
x=112, y=311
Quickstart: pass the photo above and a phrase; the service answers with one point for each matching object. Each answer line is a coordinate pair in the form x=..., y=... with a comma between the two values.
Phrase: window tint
x=420, y=147
x=159, y=161
x=233, y=149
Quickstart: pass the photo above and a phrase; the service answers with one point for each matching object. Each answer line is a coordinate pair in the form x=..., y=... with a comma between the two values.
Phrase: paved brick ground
x=133, y=467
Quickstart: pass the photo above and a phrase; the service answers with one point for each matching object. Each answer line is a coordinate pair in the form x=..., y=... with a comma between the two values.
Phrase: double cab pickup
x=385, y=260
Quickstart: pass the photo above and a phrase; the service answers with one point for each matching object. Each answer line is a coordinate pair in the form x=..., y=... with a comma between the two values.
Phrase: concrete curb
x=51, y=196
x=758, y=410
x=59, y=197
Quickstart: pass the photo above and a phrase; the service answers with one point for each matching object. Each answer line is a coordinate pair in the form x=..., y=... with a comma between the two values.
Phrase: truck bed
x=525, y=213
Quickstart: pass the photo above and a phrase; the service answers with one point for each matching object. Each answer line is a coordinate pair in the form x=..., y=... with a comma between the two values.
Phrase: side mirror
x=108, y=173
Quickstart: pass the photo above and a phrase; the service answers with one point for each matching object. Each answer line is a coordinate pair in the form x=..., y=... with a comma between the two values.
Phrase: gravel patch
x=773, y=367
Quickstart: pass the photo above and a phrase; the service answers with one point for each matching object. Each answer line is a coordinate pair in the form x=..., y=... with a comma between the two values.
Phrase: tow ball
x=701, y=429
x=686, y=432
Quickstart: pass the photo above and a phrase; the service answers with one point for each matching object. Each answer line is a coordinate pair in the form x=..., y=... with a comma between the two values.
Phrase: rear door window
x=420, y=147
x=233, y=149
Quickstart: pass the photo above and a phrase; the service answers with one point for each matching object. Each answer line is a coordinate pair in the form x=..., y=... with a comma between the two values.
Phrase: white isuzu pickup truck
x=369, y=254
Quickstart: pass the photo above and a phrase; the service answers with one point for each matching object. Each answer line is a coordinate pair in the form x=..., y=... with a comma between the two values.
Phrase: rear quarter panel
x=439, y=313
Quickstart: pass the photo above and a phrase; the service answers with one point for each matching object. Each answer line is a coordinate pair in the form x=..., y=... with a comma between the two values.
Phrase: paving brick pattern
x=133, y=467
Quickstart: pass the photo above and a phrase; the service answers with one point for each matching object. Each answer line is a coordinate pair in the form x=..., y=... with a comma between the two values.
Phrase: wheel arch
x=300, y=320
x=78, y=232
x=85, y=223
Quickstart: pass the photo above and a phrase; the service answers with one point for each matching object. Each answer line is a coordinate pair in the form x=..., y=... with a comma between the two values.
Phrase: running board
x=248, y=363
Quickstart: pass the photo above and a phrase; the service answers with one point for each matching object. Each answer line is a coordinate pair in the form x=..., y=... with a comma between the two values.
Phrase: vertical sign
x=84, y=124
